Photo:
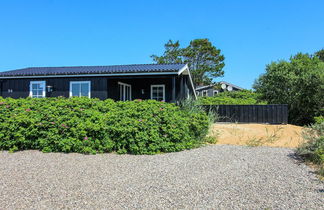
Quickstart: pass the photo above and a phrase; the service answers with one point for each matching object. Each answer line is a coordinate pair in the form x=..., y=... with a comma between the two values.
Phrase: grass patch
x=270, y=138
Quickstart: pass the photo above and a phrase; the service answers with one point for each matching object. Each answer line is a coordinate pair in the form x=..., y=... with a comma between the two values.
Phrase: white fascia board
x=186, y=69
x=192, y=85
x=203, y=87
x=183, y=69
x=89, y=75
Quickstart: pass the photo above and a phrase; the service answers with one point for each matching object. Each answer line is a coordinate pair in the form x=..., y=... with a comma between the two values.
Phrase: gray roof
x=221, y=82
x=116, y=69
x=235, y=86
x=203, y=87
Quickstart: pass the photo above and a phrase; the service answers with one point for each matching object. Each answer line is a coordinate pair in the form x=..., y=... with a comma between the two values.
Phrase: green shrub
x=319, y=119
x=193, y=106
x=90, y=126
x=298, y=82
x=244, y=97
x=313, y=149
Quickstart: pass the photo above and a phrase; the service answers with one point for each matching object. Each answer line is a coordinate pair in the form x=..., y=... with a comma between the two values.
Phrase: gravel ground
x=218, y=176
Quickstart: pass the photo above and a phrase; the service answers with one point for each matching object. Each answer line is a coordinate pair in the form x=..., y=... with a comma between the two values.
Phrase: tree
x=204, y=60
x=320, y=54
x=298, y=82
x=172, y=53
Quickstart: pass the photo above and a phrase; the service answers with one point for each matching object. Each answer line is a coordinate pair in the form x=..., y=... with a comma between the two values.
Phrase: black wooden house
x=163, y=82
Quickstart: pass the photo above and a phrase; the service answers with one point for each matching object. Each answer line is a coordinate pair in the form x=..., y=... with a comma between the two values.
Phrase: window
x=197, y=93
x=158, y=92
x=125, y=91
x=80, y=88
x=215, y=92
x=204, y=93
x=37, y=89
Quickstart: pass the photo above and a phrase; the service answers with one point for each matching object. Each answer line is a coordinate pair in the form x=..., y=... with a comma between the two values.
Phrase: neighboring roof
x=235, y=86
x=222, y=82
x=203, y=87
x=76, y=70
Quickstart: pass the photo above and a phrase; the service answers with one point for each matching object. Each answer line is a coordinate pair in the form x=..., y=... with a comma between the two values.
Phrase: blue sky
x=250, y=33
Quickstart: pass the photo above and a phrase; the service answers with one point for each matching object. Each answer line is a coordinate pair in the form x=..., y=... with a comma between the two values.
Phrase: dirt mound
x=258, y=134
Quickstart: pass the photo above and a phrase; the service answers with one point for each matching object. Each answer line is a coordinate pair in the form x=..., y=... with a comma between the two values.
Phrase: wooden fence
x=272, y=114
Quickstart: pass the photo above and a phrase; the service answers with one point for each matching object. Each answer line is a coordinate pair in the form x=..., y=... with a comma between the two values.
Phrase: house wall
x=210, y=91
x=61, y=87
x=101, y=87
x=144, y=83
x=139, y=84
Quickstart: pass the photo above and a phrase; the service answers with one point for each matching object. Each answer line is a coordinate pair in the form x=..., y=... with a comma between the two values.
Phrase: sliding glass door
x=125, y=91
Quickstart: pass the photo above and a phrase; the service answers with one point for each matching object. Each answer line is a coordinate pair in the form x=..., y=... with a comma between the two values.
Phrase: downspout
x=1, y=87
x=173, y=89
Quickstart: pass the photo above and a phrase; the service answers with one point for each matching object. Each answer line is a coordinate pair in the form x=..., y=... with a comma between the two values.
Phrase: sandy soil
x=258, y=134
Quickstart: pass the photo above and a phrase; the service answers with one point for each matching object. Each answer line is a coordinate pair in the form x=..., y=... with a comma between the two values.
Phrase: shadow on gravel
x=311, y=170
x=299, y=161
x=296, y=157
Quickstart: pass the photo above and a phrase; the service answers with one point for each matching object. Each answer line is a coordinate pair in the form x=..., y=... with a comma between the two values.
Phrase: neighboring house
x=211, y=90
x=162, y=82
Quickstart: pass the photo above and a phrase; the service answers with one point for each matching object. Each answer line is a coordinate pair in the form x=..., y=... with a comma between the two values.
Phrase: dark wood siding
x=61, y=87
x=143, y=83
x=272, y=113
x=101, y=87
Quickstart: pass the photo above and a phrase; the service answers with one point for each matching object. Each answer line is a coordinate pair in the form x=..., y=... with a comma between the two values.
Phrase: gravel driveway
x=218, y=176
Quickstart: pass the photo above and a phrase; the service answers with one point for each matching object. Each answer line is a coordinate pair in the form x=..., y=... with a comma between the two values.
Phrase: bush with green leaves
x=313, y=148
x=299, y=83
x=244, y=97
x=319, y=119
x=90, y=126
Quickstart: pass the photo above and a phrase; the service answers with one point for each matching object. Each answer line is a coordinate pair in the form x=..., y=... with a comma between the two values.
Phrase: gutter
x=87, y=75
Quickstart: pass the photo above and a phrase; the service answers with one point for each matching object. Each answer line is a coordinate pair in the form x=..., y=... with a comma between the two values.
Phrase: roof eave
x=89, y=75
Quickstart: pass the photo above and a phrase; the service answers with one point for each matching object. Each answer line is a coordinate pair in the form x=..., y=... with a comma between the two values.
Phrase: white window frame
x=80, y=82
x=124, y=85
x=160, y=85
x=215, y=92
x=37, y=82
x=204, y=93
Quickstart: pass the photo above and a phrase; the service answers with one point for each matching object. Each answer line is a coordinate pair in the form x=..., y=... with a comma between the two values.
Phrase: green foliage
x=211, y=139
x=204, y=60
x=313, y=149
x=172, y=53
x=243, y=97
x=193, y=106
x=319, y=119
x=92, y=126
x=320, y=54
x=298, y=83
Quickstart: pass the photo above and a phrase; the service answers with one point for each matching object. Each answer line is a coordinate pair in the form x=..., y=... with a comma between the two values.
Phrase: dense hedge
x=90, y=126
x=244, y=97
